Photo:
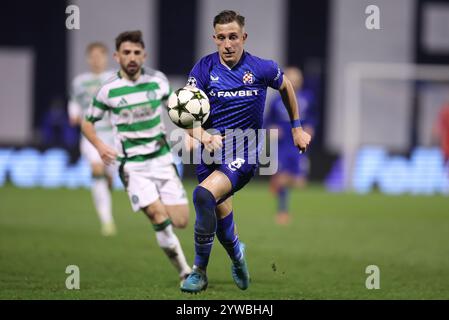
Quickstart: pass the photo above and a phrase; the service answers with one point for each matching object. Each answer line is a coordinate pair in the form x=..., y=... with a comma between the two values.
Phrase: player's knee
x=181, y=222
x=203, y=197
x=180, y=217
x=224, y=208
x=184, y=218
x=98, y=170
x=300, y=182
x=149, y=213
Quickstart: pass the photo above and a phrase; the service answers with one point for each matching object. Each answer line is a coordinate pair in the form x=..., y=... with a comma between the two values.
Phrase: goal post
x=355, y=75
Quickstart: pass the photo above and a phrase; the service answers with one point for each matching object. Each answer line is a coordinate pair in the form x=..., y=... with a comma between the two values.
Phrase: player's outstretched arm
x=301, y=139
x=210, y=142
x=107, y=154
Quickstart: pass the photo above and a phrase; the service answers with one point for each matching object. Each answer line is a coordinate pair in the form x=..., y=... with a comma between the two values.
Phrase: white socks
x=102, y=199
x=169, y=242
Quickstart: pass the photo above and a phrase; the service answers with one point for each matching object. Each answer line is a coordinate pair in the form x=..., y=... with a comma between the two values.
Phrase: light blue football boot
x=240, y=272
x=195, y=282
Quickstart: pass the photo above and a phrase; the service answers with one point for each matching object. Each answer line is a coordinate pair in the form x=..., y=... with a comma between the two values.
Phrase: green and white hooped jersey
x=84, y=88
x=136, y=114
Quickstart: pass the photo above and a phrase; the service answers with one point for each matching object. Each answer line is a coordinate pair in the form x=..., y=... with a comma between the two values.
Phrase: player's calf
x=205, y=225
x=102, y=200
x=166, y=238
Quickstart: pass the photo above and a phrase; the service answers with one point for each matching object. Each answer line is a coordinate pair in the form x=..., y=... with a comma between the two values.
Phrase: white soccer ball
x=188, y=107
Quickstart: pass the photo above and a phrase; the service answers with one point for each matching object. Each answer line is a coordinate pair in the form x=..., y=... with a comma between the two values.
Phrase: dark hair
x=94, y=45
x=228, y=16
x=131, y=36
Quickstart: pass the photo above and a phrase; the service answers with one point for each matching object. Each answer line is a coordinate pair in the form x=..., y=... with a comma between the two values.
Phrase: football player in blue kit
x=293, y=168
x=236, y=83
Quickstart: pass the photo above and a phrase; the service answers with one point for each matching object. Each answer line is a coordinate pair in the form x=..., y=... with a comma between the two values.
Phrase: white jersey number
x=236, y=164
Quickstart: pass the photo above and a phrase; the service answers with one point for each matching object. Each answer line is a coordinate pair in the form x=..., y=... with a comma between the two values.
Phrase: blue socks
x=227, y=235
x=205, y=225
x=283, y=199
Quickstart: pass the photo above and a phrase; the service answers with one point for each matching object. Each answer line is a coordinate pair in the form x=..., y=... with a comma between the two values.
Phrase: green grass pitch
x=321, y=255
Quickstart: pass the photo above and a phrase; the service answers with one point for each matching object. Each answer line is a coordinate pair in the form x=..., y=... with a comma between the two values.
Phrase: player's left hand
x=107, y=153
x=301, y=139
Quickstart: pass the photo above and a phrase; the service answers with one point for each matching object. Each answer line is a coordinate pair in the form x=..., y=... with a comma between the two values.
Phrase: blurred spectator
x=55, y=128
x=293, y=167
x=83, y=90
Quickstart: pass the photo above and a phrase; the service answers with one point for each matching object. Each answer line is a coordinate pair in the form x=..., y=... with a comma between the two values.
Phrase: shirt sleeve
x=165, y=86
x=98, y=107
x=197, y=76
x=273, y=74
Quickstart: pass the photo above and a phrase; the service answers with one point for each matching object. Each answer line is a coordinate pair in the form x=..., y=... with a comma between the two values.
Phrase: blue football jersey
x=236, y=95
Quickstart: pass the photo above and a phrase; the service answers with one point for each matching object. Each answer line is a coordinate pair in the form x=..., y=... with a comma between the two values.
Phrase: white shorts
x=151, y=180
x=89, y=152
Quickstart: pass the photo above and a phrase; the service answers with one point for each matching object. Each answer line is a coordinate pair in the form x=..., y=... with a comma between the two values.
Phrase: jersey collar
x=142, y=72
x=242, y=58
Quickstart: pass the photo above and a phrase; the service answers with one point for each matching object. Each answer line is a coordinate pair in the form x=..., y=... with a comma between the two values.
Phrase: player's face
x=230, y=39
x=131, y=57
x=97, y=59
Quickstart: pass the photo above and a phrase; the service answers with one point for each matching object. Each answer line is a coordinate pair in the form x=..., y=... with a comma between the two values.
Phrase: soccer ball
x=188, y=106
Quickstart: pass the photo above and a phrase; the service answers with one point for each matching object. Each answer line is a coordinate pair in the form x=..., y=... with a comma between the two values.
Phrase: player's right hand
x=301, y=139
x=107, y=154
x=211, y=142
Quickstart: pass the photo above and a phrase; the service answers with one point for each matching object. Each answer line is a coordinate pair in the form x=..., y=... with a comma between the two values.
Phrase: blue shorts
x=293, y=163
x=238, y=173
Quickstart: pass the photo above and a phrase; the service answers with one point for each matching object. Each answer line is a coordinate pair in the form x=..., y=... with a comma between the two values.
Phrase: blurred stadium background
x=379, y=183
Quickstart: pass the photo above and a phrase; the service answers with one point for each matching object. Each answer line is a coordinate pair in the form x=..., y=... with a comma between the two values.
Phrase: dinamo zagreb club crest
x=248, y=77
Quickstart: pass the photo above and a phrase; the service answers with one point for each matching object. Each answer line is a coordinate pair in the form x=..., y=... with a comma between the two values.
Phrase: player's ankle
x=199, y=269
